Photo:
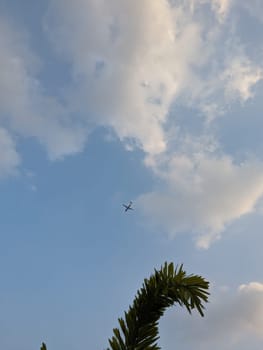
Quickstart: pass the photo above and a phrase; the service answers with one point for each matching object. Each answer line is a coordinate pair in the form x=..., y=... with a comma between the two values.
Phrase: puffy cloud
x=240, y=77
x=233, y=318
x=24, y=107
x=202, y=193
x=128, y=69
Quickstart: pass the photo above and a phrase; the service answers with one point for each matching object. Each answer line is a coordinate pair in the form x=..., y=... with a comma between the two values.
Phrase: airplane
x=128, y=206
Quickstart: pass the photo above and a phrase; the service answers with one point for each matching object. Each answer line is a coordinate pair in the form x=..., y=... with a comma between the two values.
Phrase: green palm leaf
x=43, y=347
x=169, y=285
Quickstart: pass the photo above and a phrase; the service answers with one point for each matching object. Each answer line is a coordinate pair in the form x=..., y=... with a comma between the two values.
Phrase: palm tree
x=169, y=285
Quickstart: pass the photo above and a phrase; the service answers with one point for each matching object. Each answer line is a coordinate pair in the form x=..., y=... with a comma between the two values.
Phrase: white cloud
x=202, y=193
x=9, y=158
x=24, y=107
x=252, y=286
x=221, y=7
x=241, y=76
x=232, y=318
x=129, y=69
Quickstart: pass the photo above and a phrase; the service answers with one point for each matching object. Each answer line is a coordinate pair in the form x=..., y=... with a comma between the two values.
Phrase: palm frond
x=169, y=285
x=43, y=347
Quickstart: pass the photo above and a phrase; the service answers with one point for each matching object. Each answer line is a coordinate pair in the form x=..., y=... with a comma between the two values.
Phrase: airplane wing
x=128, y=206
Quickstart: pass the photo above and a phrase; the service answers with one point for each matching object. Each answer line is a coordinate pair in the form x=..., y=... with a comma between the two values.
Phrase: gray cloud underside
x=233, y=320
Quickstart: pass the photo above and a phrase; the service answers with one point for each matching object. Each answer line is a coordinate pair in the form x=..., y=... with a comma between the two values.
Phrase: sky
x=103, y=102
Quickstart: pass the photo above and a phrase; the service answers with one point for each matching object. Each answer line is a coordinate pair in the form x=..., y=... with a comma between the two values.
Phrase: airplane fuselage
x=128, y=207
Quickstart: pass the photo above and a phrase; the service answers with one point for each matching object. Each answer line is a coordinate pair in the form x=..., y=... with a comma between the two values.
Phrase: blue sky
x=105, y=102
